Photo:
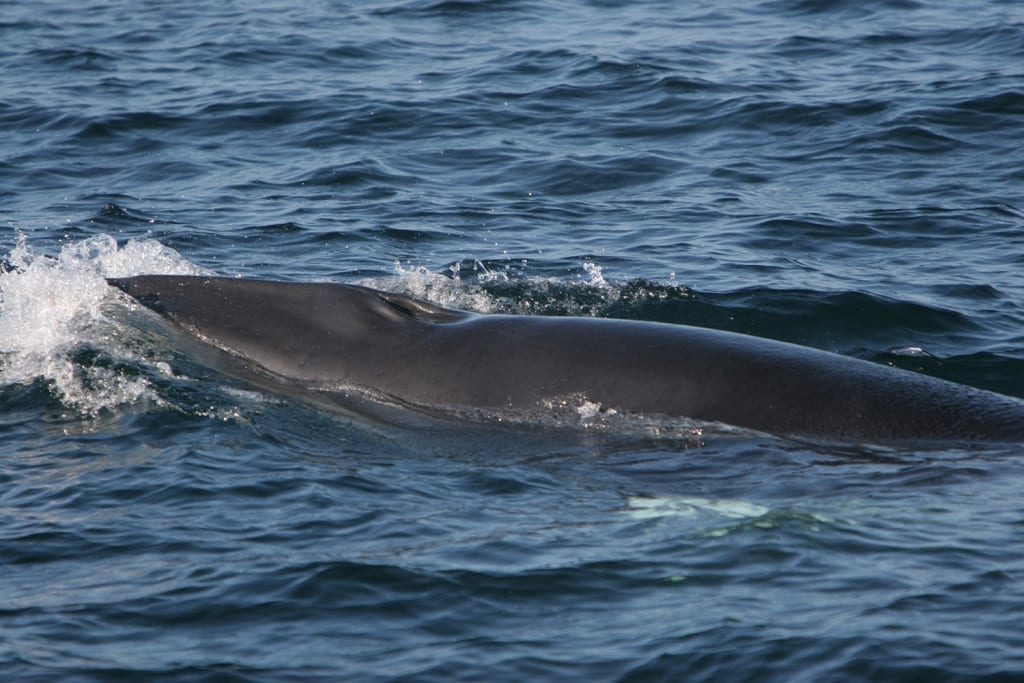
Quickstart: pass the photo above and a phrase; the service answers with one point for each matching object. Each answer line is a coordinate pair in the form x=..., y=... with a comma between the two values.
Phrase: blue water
x=843, y=175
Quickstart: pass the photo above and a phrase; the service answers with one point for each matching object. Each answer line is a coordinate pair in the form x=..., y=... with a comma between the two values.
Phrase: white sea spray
x=53, y=307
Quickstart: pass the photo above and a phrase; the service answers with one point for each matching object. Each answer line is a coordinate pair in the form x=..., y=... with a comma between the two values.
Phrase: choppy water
x=845, y=175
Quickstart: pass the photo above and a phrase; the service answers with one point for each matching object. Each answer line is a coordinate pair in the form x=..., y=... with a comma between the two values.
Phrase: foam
x=52, y=308
x=476, y=287
x=443, y=290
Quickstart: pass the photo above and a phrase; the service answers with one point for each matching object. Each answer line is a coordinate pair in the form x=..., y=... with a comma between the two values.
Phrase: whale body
x=333, y=335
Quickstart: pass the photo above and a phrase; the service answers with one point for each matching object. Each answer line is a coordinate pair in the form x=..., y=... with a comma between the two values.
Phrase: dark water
x=845, y=175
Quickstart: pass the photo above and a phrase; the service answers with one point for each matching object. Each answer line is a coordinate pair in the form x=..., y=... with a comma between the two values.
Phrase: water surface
x=843, y=175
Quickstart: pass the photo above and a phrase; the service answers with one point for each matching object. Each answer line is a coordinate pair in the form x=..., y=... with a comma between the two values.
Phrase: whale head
x=294, y=329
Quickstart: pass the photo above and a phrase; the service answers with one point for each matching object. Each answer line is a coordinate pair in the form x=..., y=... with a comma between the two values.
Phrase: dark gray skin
x=421, y=354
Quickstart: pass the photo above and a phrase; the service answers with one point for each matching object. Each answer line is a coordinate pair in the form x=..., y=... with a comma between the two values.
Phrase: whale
x=326, y=337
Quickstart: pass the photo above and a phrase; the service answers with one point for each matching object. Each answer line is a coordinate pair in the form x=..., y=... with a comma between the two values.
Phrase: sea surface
x=847, y=175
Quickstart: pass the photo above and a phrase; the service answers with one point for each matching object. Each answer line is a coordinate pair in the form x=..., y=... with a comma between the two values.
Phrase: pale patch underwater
x=644, y=507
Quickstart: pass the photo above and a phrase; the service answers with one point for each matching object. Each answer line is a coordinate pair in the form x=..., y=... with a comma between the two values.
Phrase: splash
x=595, y=275
x=52, y=310
x=473, y=285
x=443, y=289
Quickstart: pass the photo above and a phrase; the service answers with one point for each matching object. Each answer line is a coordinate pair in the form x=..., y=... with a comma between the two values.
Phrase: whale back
x=327, y=336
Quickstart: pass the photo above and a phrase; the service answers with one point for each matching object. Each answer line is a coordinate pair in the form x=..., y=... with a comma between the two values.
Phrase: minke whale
x=333, y=335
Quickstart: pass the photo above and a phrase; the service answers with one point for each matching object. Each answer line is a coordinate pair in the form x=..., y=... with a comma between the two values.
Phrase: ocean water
x=843, y=175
